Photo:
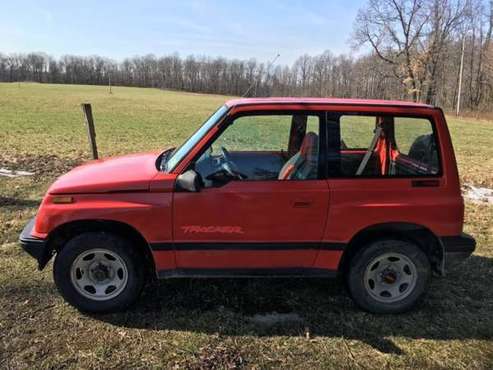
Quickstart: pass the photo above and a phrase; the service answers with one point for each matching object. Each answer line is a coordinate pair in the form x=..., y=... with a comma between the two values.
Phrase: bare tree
x=394, y=29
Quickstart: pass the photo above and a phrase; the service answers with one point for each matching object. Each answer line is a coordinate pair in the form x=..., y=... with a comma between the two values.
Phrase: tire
x=99, y=272
x=388, y=276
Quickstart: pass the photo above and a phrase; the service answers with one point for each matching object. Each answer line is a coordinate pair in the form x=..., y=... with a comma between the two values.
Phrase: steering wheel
x=229, y=166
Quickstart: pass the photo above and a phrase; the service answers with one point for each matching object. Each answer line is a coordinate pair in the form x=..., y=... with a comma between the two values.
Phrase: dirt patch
x=271, y=319
x=220, y=356
x=18, y=202
x=40, y=165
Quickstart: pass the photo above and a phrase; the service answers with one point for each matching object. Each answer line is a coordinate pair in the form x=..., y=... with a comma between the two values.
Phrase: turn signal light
x=62, y=200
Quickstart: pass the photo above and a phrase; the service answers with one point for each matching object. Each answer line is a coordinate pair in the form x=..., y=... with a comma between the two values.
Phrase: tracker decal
x=198, y=229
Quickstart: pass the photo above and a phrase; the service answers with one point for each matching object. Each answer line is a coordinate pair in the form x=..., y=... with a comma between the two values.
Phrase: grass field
x=208, y=323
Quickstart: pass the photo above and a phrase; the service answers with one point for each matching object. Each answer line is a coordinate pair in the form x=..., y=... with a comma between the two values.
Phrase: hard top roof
x=326, y=101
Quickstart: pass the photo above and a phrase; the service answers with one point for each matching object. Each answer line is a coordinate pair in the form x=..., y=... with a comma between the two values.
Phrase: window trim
x=231, y=118
x=427, y=117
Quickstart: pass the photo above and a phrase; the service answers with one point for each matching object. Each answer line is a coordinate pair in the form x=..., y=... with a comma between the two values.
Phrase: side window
x=417, y=150
x=382, y=146
x=263, y=147
x=358, y=137
x=356, y=131
x=255, y=133
x=312, y=124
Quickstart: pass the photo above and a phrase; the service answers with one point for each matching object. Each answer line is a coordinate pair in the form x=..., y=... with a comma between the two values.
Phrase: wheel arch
x=420, y=235
x=64, y=232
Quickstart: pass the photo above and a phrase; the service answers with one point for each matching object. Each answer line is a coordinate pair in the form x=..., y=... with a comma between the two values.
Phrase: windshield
x=180, y=153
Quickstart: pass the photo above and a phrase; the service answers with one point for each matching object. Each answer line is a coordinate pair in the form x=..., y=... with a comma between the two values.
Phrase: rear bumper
x=457, y=248
x=32, y=245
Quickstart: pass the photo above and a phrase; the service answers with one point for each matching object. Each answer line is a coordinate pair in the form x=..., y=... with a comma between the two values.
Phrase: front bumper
x=34, y=246
x=457, y=248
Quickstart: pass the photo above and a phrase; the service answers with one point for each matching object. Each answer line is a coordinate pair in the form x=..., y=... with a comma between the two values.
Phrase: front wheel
x=388, y=276
x=99, y=272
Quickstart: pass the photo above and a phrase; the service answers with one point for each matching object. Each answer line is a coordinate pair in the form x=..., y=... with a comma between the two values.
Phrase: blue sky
x=233, y=29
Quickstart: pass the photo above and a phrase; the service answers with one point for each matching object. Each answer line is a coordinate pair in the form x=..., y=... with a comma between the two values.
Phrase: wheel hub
x=99, y=274
x=390, y=277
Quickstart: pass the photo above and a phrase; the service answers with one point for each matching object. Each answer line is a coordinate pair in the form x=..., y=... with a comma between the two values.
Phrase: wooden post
x=457, y=108
x=91, y=132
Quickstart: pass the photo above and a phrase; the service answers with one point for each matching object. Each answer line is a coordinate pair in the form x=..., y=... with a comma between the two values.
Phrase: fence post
x=91, y=132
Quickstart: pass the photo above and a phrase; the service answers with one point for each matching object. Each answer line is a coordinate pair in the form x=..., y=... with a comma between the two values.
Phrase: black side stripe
x=161, y=246
x=246, y=246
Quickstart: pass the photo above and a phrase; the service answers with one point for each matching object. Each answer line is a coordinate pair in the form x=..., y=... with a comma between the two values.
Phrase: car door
x=395, y=180
x=259, y=220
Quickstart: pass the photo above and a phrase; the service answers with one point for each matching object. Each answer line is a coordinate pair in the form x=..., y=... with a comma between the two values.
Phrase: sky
x=232, y=29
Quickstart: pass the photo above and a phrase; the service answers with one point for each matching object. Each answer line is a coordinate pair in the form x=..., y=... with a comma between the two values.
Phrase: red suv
x=365, y=189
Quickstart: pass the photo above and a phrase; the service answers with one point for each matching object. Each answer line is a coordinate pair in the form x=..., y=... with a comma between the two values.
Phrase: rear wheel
x=388, y=276
x=99, y=272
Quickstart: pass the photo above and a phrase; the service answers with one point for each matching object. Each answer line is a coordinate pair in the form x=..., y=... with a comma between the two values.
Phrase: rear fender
x=417, y=234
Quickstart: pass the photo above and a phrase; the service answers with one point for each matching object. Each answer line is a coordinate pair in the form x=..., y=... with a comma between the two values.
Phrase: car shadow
x=458, y=306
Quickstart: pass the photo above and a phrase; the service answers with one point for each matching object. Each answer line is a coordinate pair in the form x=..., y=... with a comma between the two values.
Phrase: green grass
x=261, y=133
x=206, y=323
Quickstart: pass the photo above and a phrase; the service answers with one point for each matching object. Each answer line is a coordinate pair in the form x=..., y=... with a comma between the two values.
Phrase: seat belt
x=369, y=152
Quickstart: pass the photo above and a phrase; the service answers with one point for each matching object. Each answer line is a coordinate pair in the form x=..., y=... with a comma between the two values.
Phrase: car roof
x=326, y=101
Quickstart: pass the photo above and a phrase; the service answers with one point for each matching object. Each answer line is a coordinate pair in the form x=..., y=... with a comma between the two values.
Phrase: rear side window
x=382, y=146
x=416, y=147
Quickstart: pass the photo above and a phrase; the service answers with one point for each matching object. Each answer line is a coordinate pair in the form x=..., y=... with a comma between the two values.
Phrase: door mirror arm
x=189, y=181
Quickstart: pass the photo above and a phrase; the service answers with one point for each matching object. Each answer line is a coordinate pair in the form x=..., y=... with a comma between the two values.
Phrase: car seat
x=302, y=165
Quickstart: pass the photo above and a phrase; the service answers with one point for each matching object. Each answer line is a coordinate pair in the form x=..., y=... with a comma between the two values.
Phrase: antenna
x=267, y=71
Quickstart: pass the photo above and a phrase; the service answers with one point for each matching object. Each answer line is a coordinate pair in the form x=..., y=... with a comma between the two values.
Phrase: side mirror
x=189, y=181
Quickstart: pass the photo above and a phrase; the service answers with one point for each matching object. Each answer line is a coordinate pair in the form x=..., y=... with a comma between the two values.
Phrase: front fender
x=148, y=213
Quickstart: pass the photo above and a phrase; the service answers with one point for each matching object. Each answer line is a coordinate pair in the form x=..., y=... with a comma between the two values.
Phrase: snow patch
x=12, y=173
x=478, y=194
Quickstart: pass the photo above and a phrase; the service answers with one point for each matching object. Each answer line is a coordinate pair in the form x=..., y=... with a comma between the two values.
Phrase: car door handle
x=302, y=204
x=425, y=183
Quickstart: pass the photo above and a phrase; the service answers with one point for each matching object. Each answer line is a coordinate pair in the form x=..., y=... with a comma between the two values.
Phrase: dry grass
x=207, y=323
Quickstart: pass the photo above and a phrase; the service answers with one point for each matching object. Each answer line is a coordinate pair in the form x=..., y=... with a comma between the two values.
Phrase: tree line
x=428, y=51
